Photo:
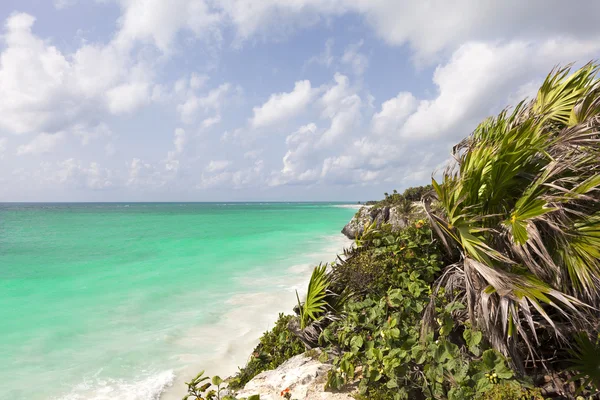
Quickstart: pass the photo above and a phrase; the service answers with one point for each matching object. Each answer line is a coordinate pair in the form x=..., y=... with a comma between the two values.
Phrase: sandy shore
x=227, y=344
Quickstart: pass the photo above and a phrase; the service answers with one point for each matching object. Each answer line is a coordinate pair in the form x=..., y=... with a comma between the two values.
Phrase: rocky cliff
x=303, y=376
x=383, y=215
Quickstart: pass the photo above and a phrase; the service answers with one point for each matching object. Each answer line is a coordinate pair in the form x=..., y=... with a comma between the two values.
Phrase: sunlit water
x=125, y=301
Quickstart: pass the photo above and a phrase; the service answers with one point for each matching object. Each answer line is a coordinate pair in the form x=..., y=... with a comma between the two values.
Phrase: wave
x=225, y=343
x=352, y=206
x=150, y=387
x=223, y=346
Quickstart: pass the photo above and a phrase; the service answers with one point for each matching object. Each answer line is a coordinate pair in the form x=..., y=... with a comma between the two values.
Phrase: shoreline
x=250, y=314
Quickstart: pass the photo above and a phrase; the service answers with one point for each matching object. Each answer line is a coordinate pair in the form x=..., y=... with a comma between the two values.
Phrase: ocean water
x=126, y=301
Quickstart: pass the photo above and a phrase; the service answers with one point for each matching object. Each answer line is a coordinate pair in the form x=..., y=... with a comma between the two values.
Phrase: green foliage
x=383, y=346
x=383, y=338
x=409, y=195
x=519, y=218
x=200, y=389
x=315, y=304
x=382, y=256
x=520, y=214
x=509, y=390
x=586, y=359
x=275, y=347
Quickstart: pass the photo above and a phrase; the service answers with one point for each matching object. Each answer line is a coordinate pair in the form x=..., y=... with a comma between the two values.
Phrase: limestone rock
x=388, y=215
x=305, y=377
x=397, y=219
x=357, y=224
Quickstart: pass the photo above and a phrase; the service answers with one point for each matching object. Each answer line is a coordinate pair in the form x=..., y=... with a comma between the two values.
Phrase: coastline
x=233, y=337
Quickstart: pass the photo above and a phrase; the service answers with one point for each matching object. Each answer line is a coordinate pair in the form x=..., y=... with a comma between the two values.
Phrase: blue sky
x=234, y=100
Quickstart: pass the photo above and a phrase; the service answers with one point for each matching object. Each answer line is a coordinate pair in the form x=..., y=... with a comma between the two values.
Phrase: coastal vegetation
x=495, y=293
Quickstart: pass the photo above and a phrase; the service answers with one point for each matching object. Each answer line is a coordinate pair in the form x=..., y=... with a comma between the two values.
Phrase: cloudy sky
x=208, y=100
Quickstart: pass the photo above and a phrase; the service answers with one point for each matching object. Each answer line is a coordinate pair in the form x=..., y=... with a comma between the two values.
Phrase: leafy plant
x=322, y=306
x=275, y=347
x=315, y=305
x=521, y=217
x=586, y=359
x=199, y=389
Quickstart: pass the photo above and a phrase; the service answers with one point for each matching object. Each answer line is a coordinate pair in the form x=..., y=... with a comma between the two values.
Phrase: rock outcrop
x=388, y=215
x=303, y=375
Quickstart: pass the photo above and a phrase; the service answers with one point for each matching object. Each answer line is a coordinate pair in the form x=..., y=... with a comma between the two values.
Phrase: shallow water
x=126, y=301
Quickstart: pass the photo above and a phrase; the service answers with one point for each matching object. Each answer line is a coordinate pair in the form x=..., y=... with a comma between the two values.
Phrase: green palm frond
x=521, y=214
x=315, y=304
x=586, y=359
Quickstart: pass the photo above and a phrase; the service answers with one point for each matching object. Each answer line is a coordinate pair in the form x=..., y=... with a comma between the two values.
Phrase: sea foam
x=145, y=388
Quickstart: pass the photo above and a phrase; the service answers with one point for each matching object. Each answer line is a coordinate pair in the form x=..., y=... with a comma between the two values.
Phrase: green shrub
x=383, y=256
x=510, y=390
x=520, y=213
x=275, y=347
x=214, y=389
x=409, y=195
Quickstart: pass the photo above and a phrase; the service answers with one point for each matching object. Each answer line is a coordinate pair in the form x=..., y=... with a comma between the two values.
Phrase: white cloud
x=326, y=58
x=341, y=104
x=478, y=80
x=253, y=154
x=61, y=4
x=298, y=161
x=88, y=134
x=3, y=142
x=409, y=21
x=217, y=165
x=250, y=176
x=159, y=21
x=76, y=173
x=283, y=106
x=208, y=122
x=355, y=59
x=393, y=113
x=194, y=104
x=197, y=81
x=142, y=174
x=42, y=143
x=46, y=90
x=127, y=97
x=180, y=140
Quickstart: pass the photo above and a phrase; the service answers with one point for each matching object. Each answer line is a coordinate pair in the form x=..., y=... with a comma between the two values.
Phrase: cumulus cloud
x=211, y=101
x=326, y=58
x=408, y=21
x=127, y=97
x=412, y=137
x=394, y=113
x=197, y=81
x=487, y=54
x=217, y=165
x=158, y=21
x=46, y=90
x=143, y=174
x=355, y=59
x=341, y=105
x=283, y=106
x=180, y=140
x=87, y=134
x=210, y=121
x=90, y=176
x=3, y=142
x=42, y=143
x=61, y=4
x=250, y=176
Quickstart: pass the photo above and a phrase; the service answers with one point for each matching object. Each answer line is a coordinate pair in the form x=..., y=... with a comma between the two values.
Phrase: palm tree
x=321, y=307
x=520, y=214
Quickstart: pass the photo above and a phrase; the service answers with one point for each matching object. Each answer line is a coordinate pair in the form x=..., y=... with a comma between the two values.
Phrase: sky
x=258, y=100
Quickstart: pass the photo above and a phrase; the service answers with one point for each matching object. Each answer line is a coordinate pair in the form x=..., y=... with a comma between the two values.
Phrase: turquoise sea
x=126, y=301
